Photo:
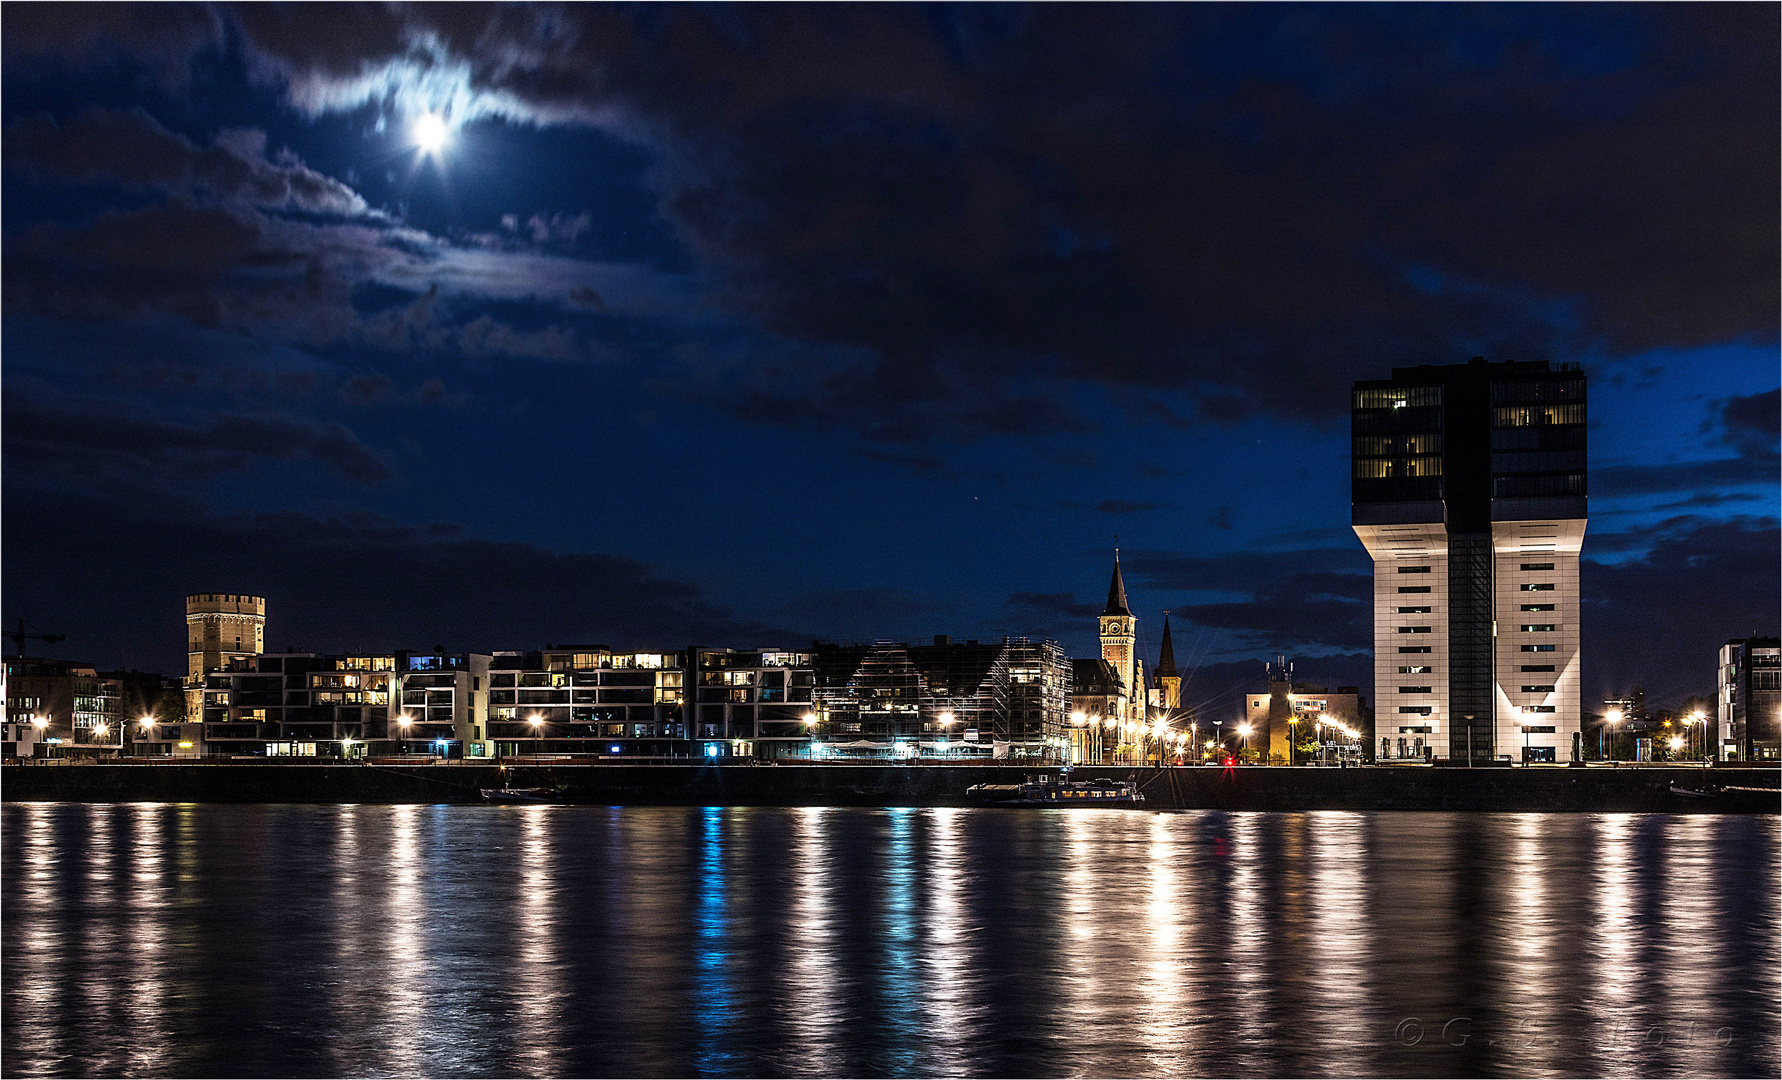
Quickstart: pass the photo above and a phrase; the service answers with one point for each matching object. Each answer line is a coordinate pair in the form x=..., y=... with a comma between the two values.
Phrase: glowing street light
x=1610, y=719
x=810, y=719
x=1078, y=718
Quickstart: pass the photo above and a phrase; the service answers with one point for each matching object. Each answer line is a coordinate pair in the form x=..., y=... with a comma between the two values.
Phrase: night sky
x=749, y=325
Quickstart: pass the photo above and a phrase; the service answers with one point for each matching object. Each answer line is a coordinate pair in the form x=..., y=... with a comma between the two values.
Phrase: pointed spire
x=1166, y=663
x=1117, y=591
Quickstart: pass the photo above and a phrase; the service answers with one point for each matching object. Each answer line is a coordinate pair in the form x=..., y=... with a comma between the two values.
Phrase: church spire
x=1166, y=663
x=1117, y=591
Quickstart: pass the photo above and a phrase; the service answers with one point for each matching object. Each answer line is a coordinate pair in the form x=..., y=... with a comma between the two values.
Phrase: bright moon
x=431, y=133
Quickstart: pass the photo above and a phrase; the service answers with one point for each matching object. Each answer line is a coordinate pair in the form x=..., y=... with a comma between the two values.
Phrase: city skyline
x=863, y=348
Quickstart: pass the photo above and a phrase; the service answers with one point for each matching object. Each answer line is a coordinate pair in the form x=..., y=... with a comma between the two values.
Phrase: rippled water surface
x=440, y=940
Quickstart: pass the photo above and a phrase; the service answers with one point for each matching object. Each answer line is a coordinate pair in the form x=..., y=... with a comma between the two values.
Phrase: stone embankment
x=1677, y=789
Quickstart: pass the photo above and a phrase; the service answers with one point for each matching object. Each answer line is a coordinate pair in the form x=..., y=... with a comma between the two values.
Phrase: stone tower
x=219, y=628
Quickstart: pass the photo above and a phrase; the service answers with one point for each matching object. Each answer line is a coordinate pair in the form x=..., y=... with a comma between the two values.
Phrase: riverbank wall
x=1650, y=789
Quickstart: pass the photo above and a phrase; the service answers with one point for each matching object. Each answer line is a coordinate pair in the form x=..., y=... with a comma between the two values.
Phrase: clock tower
x=1119, y=633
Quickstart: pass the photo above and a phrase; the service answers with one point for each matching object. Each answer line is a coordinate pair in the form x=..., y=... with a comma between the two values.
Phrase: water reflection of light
x=1531, y=942
x=1247, y=936
x=715, y=1007
x=98, y=943
x=1163, y=1017
x=36, y=940
x=948, y=964
x=1615, y=983
x=902, y=988
x=405, y=959
x=539, y=1004
x=1337, y=956
x=1081, y=1002
x=145, y=940
x=811, y=974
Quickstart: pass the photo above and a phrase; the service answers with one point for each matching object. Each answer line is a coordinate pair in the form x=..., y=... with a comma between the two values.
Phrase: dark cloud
x=107, y=146
x=1051, y=606
x=1753, y=424
x=159, y=39
x=940, y=222
x=1754, y=468
x=1220, y=518
x=864, y=613
x=1658, y=618
x=933, y=208
x=95, y=445
x=357, y=581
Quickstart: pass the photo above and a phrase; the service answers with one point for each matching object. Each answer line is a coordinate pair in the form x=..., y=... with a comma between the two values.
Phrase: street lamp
x=1244, y=732
x=402, y=721
x=1610, y=719
x=1292, y=737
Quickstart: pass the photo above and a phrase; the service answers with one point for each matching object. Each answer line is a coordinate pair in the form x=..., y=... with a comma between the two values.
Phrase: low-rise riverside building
x=588, y=701
x=892, y=700
x=1750, y=699
x=346, y=705
x=1290, y=714
x=58, y=708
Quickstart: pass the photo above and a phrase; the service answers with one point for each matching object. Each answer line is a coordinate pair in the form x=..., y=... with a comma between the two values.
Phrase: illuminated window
x=1540, y=586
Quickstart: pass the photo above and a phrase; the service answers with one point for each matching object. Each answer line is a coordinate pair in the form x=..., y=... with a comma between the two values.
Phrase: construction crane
x=19, y=638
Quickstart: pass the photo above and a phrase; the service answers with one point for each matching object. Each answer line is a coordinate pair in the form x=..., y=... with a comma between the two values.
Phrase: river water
x=186, y=940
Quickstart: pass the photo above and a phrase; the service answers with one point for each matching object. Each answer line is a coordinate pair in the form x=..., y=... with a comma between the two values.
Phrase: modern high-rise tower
x=1469, y=494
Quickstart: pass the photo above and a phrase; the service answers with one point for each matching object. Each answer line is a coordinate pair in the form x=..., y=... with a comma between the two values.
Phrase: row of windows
x=1382, y=468
x=1537, y=461
x=1539, y=648
x=1397, y=446
x=1413, y=569
x=1563, y=437
x=1537, y=390
x=1413, y=588
x=1414, y=630
x=1532, y=415
x=1564, y=485
x=1416, y=669
x=1537, y=586
x=1416, y=690
x=1538, y=628
x=1398, y=397
x=1545, y=688
x=1413, y=611
x=1537, y=607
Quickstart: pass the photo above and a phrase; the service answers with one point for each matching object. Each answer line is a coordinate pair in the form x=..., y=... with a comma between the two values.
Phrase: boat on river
x=1048, y=790
x=517, y=795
